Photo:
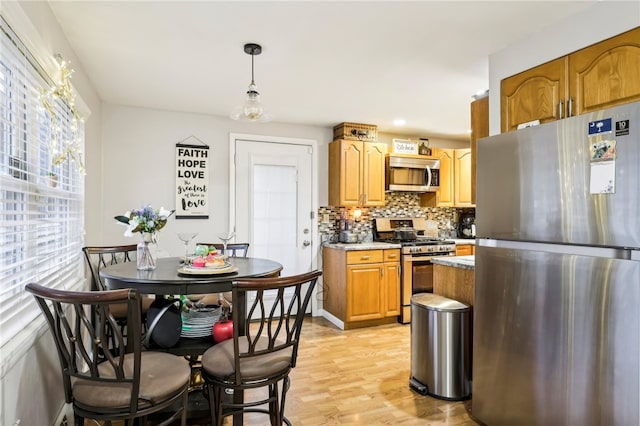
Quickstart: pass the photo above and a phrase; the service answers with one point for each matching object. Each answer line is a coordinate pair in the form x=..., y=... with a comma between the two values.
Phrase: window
x=41, y=202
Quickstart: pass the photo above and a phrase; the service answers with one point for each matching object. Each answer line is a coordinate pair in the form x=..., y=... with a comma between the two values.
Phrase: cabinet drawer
x=392, y=255
x=364, y=256
x=465, y=250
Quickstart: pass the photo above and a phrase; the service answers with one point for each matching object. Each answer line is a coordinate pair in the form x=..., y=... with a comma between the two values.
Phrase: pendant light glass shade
x=252, y=109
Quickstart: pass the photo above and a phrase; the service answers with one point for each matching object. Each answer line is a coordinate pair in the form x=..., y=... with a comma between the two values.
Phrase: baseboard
x=333, y=320
x=65, y=416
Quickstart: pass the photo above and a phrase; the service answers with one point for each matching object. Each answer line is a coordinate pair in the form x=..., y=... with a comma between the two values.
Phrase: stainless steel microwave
x=412, y=173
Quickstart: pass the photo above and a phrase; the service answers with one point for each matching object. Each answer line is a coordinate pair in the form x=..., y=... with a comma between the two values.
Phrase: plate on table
x=227, y=268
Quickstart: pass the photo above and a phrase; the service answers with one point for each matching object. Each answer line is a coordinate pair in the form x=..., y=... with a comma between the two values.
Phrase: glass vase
x=146, y=260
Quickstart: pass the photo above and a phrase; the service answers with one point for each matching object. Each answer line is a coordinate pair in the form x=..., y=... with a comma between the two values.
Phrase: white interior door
x=274, y=202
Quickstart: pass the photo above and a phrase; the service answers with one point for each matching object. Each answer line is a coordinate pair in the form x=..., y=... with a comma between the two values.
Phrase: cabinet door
x=364, y=296
x=373, y=173
x=534, y=94
x=479, y=129
x=445, y=196
x=462, y=171
x=391, y=283
x=606, y=74
x=345, y=172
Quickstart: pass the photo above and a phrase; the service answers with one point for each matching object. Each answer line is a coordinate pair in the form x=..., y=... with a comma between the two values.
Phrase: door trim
x=313, y=145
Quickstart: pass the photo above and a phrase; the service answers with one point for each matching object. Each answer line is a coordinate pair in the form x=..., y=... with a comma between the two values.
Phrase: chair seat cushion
x=218, y=361
x=119, y=310
x=162, y=376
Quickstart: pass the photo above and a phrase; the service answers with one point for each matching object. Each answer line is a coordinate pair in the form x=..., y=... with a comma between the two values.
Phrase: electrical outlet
x=325, y=218
x=64, y=421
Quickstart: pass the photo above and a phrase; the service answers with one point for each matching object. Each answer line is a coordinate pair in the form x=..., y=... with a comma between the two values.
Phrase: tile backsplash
x=397, y=204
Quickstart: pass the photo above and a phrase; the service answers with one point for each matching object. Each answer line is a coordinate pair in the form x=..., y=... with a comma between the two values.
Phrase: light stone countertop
x=462, y=241
x=463, y=262
x=362, y=246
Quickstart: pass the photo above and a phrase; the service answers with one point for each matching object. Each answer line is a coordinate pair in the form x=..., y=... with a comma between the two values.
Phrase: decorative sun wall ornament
x=63, y=147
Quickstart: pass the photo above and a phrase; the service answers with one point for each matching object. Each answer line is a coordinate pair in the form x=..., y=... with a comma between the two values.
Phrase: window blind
x=41, y=204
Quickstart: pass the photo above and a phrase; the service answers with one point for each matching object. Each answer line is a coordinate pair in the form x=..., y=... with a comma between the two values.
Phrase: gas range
x=421, y=244
x=417, y=250
x=424, y=246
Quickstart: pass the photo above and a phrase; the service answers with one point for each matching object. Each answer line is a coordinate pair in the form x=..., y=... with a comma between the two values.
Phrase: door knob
x=306, y=243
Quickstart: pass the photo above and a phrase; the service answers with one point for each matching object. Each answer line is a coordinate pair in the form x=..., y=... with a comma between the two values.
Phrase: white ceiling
x=322, y=62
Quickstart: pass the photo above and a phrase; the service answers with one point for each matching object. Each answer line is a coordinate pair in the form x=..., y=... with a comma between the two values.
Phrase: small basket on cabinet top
x=355, y=131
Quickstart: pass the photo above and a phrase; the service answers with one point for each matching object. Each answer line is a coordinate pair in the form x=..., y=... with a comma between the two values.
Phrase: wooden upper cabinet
x=535, y=94
x=373, y=173
x=446, y=192
x=462, y=171
x=603, y=75
x=356, y=173
x=455, y=180
x=479, y=129
x=606, y=74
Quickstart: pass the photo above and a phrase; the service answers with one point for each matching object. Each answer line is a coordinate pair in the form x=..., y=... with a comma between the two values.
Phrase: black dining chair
x=97, y=257
x=264, y=352
x=101, y=379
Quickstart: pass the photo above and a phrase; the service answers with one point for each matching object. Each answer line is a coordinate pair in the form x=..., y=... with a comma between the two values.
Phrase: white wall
x=129, y=156
x=30, y=387
x=138, y=159
x=603, y=20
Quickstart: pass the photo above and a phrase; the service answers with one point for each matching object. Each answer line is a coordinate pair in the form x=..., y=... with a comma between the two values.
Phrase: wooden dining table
x=166, y=279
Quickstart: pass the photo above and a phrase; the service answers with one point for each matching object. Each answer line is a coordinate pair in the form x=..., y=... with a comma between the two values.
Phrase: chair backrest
x=89, y=352
x=233, y=249
x=271, y=329
x=99, y=257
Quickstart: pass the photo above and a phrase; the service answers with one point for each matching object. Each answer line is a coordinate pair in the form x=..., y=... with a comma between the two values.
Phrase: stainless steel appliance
x=415, y=257
x=556, y=330
x=466, y=226
x=412, y=173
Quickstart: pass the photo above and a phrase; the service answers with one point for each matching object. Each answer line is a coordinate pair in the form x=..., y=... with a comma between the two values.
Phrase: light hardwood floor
x=358, y=377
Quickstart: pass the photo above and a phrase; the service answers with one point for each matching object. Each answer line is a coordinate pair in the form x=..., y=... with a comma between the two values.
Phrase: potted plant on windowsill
x=53, y=179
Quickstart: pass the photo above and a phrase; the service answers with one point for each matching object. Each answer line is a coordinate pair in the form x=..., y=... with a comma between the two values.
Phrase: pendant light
x=252, y=109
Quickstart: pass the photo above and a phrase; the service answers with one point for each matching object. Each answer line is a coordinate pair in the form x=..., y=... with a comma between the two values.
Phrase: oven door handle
x=427, y=176
x=410, y=258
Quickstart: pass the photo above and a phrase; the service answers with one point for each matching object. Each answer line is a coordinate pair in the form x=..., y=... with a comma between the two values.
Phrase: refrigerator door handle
x=594, y=251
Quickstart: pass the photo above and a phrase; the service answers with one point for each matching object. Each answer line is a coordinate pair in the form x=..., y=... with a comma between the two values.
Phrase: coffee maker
x=467, y=226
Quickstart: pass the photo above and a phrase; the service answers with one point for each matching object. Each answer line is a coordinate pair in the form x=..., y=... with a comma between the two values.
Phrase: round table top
x=165, y=279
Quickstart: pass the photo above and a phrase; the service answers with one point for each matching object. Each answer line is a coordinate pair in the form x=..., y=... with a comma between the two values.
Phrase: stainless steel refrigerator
x=556, y=335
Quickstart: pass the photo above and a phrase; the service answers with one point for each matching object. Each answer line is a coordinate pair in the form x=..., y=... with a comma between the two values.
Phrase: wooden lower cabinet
x=361, y=287
x=465, y=249
x=454, y=283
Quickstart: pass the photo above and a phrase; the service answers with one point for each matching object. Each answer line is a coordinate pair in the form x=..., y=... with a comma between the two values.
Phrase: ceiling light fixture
x=252, y=109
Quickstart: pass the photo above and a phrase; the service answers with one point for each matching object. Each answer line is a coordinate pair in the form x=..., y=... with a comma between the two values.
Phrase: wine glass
x=225, y=239
x=186, y=238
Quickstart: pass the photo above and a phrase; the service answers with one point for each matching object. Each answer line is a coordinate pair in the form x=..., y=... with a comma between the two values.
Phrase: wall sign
x=192, y=181
x=401, y=146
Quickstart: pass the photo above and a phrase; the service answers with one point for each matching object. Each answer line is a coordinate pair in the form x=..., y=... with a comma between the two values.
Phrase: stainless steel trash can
x=440, y=347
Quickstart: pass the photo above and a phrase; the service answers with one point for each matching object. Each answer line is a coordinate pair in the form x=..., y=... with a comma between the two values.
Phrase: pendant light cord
x=252, y=82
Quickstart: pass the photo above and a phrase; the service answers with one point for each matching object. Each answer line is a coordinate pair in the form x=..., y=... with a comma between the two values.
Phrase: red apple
x=222, y=330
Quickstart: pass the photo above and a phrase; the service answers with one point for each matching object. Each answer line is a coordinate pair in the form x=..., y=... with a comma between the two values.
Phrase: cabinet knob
x=365, y=257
